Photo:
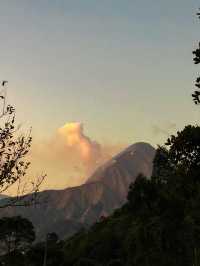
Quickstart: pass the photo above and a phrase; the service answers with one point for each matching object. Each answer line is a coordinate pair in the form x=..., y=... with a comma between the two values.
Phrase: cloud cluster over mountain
x=73, y=136
x=69, y=156
x=66, y=211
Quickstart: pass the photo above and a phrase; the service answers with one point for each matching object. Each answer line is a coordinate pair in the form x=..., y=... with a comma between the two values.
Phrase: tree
x=13, y=166
x=86, y=262
x=46, y=253
x=16, y=234
x=196, y=94
x=160, y=223
x=166, y=228
x=15, y=258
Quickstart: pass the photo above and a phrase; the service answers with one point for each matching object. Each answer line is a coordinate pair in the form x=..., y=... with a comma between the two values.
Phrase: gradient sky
x=123, y=68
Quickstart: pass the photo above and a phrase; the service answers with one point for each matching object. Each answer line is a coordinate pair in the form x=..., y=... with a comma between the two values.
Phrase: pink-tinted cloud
x=69, y=156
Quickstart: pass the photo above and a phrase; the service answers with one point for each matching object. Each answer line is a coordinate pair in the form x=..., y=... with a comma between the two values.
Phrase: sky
x=122, y=70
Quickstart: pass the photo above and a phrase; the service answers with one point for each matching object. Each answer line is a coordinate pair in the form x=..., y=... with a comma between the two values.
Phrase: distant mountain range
x=67, y=211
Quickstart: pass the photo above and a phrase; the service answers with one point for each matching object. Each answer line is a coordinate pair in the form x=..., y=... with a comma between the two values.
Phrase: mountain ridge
x=68, y=210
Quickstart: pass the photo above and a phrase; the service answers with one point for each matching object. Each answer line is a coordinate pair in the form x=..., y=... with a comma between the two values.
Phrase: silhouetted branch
x=196, y=59
x=13, y=166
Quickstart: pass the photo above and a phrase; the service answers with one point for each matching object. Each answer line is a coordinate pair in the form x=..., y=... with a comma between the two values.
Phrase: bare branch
x=13, y=166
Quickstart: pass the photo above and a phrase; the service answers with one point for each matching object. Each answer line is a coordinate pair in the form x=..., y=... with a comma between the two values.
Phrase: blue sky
x=120, y=67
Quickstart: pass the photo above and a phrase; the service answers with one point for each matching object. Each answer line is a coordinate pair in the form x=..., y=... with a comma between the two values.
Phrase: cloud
x=73, y=136
x=69, y=156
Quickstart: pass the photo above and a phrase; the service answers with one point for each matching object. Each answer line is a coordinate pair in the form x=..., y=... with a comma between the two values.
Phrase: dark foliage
x=16, y=233
x=16, y=237
x=54, y=255
x=196, y=53
x=160, y=224
x=13, y=165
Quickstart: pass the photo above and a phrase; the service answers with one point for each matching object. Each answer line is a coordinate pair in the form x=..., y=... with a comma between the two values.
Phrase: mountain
x=121, y=170
x=67, y=211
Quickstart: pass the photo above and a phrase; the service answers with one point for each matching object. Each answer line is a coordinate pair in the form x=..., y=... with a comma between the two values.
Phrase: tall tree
x=13, y=165
x=16, y=233
x=196, y=53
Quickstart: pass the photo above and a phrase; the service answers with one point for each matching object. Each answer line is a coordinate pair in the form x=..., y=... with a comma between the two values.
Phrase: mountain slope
x=123, y=169
x=66, y=211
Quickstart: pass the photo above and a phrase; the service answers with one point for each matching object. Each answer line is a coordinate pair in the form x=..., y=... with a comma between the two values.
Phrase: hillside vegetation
x=160, y=223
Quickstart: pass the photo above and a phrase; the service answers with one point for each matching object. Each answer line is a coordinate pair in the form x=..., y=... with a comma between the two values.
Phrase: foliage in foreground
x=14, y=147
x=196, y=53
x=160, y=223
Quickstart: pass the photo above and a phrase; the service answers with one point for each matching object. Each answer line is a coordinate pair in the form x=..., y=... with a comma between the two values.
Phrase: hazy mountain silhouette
x=121, y=170
x=66, y=211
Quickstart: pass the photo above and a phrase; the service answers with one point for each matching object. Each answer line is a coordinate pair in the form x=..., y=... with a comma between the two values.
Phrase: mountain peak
x=126, y=166
x=66, y=211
